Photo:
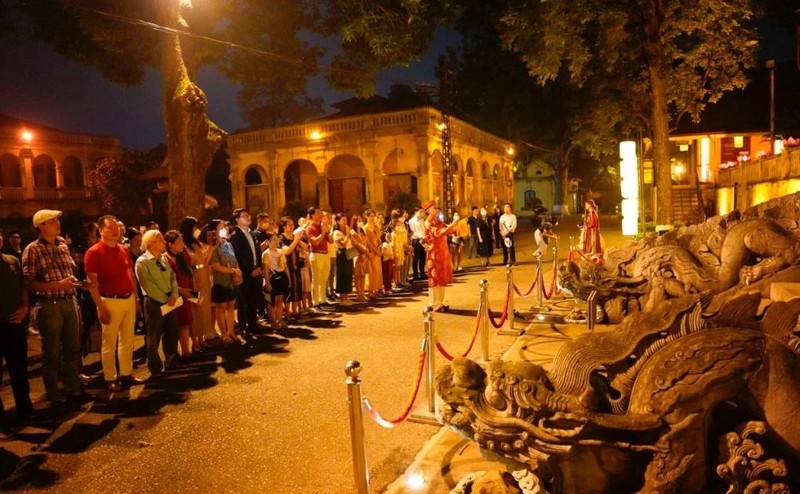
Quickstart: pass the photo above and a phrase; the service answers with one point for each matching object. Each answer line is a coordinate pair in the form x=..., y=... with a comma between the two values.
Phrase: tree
x=111, y=180
x=550, y=122
x=678, y=56
x=123, y=38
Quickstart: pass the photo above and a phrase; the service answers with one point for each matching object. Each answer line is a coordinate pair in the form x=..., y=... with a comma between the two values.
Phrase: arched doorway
x=469, y=183
x=347, y=184
x=256, y=190
x=486, y=185
x=399, y=176
x=301, y=183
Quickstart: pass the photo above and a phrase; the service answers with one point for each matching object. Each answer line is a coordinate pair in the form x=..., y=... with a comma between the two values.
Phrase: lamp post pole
x=771, y=66
x=447, y=150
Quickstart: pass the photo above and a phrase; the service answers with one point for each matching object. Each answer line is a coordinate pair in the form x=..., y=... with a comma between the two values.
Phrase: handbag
x=351, y=253
x=237, y=278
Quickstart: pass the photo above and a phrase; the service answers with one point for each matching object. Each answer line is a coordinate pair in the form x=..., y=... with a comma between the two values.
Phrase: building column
x=324, y=199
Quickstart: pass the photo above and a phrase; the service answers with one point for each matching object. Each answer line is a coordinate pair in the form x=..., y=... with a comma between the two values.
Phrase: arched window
x=253, y=177
x=44, y=172
x=10, y=171
x=73, y=172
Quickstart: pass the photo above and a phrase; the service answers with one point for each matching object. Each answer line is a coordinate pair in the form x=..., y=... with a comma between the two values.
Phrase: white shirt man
x=508, y=228
x=417, y=226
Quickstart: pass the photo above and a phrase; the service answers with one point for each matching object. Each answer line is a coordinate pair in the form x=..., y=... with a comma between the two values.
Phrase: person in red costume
x=437, y=266
x=592, y=241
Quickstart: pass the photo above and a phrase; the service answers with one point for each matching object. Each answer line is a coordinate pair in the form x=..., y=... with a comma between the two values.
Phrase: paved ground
x=270, y=416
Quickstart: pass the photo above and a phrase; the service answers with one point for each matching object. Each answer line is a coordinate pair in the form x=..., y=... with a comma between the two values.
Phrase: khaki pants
x=118, y=337
x=320, y=270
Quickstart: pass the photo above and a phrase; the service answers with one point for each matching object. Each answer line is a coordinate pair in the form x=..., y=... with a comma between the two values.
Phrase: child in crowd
x=387, y=265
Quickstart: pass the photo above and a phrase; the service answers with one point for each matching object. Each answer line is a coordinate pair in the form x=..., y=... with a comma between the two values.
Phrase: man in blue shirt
x=160, y=288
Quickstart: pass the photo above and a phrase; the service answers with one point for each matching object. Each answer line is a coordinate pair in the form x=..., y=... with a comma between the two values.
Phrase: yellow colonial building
x=346, y=163
x=42, y=167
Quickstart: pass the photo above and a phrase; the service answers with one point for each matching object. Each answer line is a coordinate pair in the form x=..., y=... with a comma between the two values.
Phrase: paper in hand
x=166, y=308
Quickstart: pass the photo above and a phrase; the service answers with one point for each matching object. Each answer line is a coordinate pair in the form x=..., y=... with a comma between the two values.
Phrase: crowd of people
x=222, y=280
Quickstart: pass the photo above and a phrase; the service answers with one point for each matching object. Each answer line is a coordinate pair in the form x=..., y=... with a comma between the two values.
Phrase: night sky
x=40, y=85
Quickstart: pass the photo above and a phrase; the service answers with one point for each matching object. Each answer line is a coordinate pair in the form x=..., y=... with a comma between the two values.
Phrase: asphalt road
x=270, y=416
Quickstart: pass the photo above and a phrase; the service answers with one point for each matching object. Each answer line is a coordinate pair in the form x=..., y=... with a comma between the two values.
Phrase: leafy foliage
x=403, y=201
x=114, y=182
x=295, y=209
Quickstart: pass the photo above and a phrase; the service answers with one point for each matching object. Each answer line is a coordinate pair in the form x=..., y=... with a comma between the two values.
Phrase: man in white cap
x=49, y=270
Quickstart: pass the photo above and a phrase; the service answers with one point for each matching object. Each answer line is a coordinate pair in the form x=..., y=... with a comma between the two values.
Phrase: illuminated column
x=705, y=159
x=629, y=186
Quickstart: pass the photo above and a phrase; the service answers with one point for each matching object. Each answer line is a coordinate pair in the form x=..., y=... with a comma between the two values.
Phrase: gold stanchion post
x=353, y=381
x=428, y=416
x=509, y=329
x=484, y=308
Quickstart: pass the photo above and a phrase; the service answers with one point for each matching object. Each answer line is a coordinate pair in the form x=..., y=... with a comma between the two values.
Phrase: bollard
x=509, y=330
x=591, y=310
x=539, y=282
x=430, y=342
x=510, y=283
x=361, y=474
x=484, y=310
x=428, y=416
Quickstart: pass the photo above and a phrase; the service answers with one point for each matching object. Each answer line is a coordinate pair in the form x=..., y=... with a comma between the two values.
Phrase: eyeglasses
x=160, y=266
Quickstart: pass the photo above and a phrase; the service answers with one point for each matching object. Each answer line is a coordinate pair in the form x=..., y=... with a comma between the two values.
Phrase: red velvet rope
x=444, y=352
x=533, y=285
x=390, y=423
x=503, y=316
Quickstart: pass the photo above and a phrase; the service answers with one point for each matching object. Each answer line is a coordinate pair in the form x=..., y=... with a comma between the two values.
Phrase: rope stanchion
x=447, y=355
x=503, y=315
x=484, y=310
x=361, y=472
x=533, y=285
x=391, y=423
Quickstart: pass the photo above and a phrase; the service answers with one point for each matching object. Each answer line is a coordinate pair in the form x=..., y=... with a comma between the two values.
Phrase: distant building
x=42, y=167
x=349, y=160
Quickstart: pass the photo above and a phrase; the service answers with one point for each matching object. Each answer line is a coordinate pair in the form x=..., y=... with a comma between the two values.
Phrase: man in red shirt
x=109, y=269
x=318, y=236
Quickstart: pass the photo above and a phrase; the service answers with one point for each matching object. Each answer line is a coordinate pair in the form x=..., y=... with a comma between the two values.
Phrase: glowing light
x=705, y=159
x=683, y=148
x=441, y=126
x=678, y=170
x=415, y=481
x=315, y=134
x=761, y=193
x=738, y=141
x=629, y=186
x=724, y=200
x=510, y=150
x=777, y=147
x=27, y=136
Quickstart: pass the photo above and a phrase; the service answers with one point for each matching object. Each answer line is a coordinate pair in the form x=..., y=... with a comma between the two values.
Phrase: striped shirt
x=43, y=261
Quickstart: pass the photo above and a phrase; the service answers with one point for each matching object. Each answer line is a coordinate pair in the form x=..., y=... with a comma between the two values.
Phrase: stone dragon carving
x=646, y=407
x=723, y=256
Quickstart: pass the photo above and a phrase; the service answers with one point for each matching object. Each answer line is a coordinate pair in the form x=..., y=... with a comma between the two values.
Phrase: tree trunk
x=192, y=139
x=658, y=100
x=566, y=197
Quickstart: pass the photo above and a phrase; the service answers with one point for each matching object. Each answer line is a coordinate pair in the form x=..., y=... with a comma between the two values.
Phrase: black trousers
x=247, y=303
x=510, y=253
x=418, y=259
x=160, y=327
x=14, y=351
